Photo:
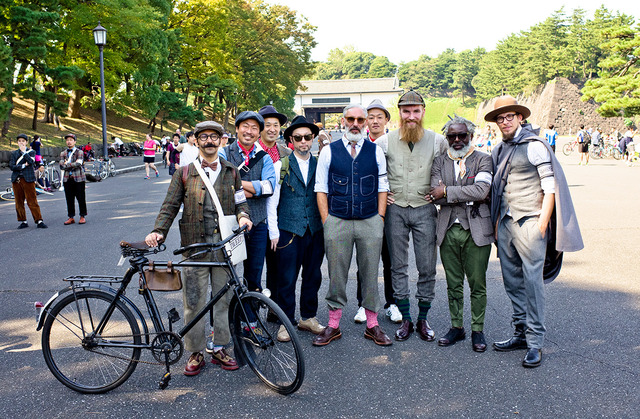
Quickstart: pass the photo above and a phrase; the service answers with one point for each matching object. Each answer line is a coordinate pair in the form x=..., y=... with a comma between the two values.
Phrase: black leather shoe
x=454, y=335
x=533, y=358
x=425, y=331
x=404, y=331
x=477, y=341
x=512, y=344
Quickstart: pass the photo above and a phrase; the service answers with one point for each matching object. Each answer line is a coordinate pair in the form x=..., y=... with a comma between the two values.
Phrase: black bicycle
x=93, y=334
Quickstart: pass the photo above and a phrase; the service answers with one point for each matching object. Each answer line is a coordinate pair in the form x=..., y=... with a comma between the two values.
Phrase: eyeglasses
x=298, y=138
x=204, y=137
x=509, y=117
x=461, y=136
x=351, y=120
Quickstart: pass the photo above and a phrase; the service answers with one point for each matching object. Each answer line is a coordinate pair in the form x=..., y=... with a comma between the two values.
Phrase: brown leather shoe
x=69, y=221
x=425, y=331
x=195, y=364
x=82, y=221
x=377, y=336
x=224, y=360
x=478, y=342
x=327, y=335
x=405, y=330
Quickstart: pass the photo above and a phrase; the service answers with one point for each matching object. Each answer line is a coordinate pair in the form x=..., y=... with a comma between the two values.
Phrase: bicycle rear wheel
x=567, y=149
x=7, y=195
x=55, y=179
x=81, y=359
x=104, y=171
x=617, y=154
x=112, y=168
x=280, y=365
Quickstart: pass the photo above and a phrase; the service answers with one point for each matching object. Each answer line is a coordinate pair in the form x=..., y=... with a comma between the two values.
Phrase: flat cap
x=245, y=115
x=205, y=125
x=411, y=98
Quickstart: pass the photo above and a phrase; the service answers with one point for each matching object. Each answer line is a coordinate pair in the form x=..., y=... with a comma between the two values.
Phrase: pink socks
x=334, y=318
x=372, y=318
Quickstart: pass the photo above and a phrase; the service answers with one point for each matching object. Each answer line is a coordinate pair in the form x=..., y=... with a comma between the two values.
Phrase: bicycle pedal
x=164, y=381
x=173, y=315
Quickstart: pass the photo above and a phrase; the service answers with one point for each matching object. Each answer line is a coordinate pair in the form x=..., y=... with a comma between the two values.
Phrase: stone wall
x=558, y=102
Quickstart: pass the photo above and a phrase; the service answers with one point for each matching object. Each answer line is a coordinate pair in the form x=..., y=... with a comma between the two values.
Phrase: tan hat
x=208, y=125
x=505, y=104
x=411, y=98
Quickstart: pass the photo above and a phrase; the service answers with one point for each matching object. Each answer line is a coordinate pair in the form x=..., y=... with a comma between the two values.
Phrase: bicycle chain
x=124, y=358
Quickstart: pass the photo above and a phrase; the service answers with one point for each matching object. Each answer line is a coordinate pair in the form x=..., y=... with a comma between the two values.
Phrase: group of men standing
x=374, y=193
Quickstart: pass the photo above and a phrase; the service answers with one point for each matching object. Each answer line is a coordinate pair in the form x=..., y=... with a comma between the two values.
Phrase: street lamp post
x=100, y=38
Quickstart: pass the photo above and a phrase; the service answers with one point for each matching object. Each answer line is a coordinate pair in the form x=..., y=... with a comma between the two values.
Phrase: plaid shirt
x=74, y=168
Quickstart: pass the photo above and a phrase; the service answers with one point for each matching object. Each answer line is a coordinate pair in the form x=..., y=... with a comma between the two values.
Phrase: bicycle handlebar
x=213, y=246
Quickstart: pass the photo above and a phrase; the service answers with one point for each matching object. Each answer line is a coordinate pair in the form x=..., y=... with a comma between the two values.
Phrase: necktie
x=353, y=150
x=213, y=166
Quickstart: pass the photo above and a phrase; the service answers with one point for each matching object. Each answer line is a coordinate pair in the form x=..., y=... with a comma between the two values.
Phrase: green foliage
x=351, y=64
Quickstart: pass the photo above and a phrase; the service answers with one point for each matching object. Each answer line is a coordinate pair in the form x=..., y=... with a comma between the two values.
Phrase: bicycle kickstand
x=164, y=381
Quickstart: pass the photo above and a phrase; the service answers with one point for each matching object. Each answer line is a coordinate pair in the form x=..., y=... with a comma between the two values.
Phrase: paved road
x=590, y=367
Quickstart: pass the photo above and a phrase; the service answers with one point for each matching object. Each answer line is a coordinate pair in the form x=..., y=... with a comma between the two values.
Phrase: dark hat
x=270, y=112
x=244, y=115
x=300, y=121
x=212, y=125
x=72, y=136
x=505, y=104
x=22, y=136
x=411, y=98
x=377, y=104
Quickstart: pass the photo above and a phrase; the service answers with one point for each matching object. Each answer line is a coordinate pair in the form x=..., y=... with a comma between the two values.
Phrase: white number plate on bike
x=235, y=242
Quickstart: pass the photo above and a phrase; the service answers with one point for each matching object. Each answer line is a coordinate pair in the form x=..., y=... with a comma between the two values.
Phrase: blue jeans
x=256, y=249
x=295, y=252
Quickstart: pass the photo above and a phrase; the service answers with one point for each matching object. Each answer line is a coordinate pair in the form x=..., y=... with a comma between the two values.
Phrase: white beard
x=352, y=137
x=458, y=154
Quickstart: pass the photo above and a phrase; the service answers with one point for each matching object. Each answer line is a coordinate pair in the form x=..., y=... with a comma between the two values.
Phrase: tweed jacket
x=23, y=168
x=75, y=167
x=463, y=191
x=298, y=207
x=191, y=192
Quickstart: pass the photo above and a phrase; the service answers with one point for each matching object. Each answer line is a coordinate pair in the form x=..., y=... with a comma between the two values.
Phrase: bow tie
x=213, y=166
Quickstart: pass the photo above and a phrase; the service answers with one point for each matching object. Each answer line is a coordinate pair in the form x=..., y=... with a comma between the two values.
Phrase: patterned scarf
x=246, y=152
x=273, y=151
x=462, y=160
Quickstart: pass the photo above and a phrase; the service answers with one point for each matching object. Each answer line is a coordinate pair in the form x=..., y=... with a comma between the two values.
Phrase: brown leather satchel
x=162, y=279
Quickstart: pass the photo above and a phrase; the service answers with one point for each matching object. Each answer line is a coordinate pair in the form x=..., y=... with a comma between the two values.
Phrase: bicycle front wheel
x=112, y=168
x=104, y=171
x=617, y=154
x=81, y=358
x=55, y=179
x=7, y=195
x=280, y=365
x=567, y=149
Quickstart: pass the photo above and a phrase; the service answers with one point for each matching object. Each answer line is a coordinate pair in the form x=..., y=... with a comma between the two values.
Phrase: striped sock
x=334, y=318
x=372, y=318
x=424, y=307
x=405, y=308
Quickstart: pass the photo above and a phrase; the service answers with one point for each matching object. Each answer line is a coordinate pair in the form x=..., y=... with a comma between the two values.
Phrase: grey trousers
x=521, y=250
x=339, y=238
x=421, y=223
x=195, y=295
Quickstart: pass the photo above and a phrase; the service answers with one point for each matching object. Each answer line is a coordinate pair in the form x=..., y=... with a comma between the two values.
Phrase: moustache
x=209, y=146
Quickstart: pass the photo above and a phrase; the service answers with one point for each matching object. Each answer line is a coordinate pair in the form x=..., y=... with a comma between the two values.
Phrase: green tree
x=381, y=67
x=467, y=66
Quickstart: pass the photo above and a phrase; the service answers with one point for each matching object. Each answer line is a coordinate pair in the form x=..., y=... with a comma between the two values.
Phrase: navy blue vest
x=353, y=184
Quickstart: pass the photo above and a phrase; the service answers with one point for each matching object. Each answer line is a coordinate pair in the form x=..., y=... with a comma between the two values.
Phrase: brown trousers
x=26, y=190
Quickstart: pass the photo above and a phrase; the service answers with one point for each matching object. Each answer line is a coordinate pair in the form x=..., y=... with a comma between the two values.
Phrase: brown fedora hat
x=505, y=104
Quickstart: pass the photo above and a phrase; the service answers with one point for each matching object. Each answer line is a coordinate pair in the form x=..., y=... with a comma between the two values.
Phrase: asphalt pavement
x=590, y=366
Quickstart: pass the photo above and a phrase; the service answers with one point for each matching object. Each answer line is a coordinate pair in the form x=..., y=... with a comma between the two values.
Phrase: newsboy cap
x=411, y=98
x=212, y=125
x=245, y=115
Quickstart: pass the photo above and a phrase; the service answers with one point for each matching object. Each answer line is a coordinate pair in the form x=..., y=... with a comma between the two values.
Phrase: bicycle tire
x=280, y=365
x=112, y=168
x=617, y=154
x=7, y=195
x=88, y=367
x=595, y=152
x=104, y=171
x=567, y=149
x=55, y=179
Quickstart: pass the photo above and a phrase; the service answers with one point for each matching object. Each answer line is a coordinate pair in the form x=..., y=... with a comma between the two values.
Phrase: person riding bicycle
x=199, y=224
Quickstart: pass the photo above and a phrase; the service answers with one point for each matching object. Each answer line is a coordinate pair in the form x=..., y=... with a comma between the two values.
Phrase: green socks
x=424, y=307
x=405, y=308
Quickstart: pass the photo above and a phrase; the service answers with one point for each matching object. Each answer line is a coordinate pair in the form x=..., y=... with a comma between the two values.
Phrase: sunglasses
x=298, y=138
x=462, y=136
x=351, y=120
x=204, y=137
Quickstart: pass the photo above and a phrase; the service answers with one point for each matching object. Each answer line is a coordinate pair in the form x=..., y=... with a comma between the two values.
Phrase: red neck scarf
x=246, y=152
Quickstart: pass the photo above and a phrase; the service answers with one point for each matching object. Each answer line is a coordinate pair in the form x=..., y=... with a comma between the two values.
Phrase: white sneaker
x=360, y=316
x=394, y=314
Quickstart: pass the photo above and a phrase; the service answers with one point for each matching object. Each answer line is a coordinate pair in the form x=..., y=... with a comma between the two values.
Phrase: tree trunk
x=7, y=122
x=34, y=120
x=47, y=114
x=56, y=121
x=74, y=103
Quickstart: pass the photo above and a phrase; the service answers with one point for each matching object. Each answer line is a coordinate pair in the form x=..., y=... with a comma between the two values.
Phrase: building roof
x=323, y=87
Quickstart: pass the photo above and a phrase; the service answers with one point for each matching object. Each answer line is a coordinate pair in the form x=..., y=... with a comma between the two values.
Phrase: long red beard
x=411, y=134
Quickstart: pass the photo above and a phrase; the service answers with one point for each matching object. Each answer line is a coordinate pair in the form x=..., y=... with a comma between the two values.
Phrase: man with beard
x=410, y=152
x=273, y=121
x=460, y=184
x=531, y=208
x=351, y=186
x=258, y=182
x=199, y=224
x=377, y=118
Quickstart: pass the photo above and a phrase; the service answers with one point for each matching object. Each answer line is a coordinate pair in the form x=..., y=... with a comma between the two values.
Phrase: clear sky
x=403, y=30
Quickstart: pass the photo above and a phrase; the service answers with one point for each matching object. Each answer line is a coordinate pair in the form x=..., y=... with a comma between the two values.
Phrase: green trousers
x=460, y=256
